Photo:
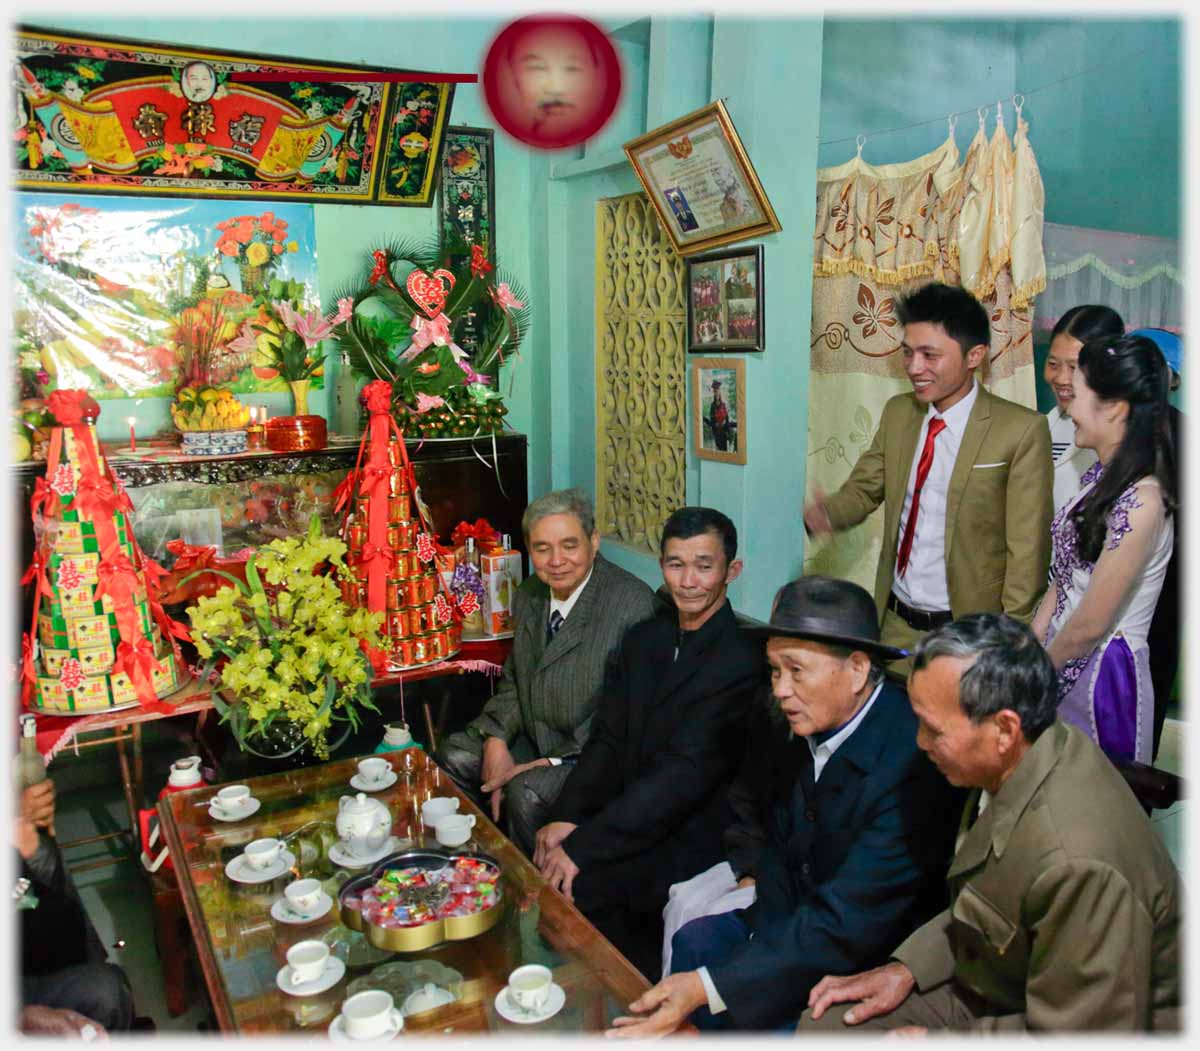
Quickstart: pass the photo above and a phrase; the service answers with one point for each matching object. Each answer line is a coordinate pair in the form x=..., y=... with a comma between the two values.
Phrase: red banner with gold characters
x=123, y=116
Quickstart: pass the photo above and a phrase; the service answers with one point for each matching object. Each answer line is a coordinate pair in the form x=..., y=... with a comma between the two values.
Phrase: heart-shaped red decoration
x=429, y=293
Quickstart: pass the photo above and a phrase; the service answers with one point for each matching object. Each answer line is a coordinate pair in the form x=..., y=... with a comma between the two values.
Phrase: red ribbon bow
x=377, y=396
x=372, y=553
x=95, y=497
x=70, y=407
x=118, y=580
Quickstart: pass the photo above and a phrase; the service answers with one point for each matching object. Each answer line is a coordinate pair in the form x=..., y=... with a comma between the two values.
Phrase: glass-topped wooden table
x=241, y=947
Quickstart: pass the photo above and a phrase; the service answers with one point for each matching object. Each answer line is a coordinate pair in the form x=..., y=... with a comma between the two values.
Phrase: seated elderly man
x=1064, y=905
x=568, y=622
x=645, y=804
x=859, y=827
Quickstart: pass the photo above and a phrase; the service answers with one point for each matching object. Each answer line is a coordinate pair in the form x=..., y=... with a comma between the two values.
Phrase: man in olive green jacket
x=1064, y=905
x=966, y=480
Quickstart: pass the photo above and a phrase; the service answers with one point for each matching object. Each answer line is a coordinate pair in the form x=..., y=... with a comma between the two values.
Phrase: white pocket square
x=981, y=466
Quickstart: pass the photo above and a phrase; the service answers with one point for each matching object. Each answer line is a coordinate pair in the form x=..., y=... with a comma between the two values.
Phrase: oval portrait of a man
x=552, y=82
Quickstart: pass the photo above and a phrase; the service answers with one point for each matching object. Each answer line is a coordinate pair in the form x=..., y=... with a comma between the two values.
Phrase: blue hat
x=1169, y=345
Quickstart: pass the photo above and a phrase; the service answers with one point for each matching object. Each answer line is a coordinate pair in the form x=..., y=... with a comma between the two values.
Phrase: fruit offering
x=412, y=896
x=208, y=409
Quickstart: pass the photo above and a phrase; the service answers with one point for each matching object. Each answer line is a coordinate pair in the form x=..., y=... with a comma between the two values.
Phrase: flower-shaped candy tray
x=419, y=898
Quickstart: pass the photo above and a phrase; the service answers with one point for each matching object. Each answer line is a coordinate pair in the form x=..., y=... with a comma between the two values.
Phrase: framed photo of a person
x=719, y=408
x=725, y=301
x=701, y=181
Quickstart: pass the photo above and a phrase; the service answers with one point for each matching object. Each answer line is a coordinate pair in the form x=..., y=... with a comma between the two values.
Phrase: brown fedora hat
x=825, y=609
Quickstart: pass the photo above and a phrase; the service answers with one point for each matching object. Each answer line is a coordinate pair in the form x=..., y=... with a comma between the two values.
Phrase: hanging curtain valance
x=1138, y=276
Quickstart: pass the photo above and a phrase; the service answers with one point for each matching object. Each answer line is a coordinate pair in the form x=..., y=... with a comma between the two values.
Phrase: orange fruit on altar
x=263, y=373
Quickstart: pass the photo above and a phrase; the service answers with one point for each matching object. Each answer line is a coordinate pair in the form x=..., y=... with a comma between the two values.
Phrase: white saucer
x=363, y=785
x=510, y=1012
x=334, y=969
x=283, y=912
x=340, y=855
x=337, y=1030
x=251, y=807
x=238, y=871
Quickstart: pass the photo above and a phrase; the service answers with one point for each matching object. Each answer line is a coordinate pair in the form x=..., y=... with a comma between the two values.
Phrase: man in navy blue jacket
x=860, y=828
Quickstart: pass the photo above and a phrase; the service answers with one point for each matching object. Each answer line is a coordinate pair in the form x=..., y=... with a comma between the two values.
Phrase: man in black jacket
x=63, y=968
x=859, y=828
x=646, y=803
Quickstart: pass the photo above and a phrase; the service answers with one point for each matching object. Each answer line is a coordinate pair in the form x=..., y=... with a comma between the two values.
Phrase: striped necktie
x=556, y=622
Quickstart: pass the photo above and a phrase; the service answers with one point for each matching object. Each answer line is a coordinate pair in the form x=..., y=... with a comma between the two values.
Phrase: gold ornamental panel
x=641, y=414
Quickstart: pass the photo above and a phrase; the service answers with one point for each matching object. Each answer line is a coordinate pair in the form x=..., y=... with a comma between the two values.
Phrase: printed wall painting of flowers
x=128, y=297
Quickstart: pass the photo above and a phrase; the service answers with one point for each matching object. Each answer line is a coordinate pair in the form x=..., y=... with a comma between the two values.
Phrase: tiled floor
x=116, y=897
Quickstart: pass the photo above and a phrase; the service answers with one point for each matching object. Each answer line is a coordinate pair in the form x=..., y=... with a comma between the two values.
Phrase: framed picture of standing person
x=725, y=301
x=719, y=409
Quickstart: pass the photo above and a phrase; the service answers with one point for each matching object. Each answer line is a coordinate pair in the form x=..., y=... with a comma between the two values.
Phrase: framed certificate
x=700, y=179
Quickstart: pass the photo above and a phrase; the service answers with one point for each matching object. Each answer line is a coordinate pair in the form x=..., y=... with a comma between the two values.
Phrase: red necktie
x=936, y=426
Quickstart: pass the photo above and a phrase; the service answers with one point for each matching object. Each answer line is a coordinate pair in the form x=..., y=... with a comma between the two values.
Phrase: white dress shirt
x=565, y=605
x=821, y=754
x=923, y=585
x=1070, y=461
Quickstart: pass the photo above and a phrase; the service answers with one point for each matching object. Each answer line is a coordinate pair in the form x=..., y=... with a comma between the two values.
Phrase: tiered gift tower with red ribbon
x=392, y=553
x=102, y=641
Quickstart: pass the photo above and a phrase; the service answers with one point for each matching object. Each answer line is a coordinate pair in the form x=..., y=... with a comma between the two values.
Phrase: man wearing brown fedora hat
x=859, y=827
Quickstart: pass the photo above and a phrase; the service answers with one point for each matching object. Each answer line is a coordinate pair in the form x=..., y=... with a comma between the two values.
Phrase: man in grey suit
x=568, y=620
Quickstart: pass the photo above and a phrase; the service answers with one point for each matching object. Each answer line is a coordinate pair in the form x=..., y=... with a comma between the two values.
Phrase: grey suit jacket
x=549, y=693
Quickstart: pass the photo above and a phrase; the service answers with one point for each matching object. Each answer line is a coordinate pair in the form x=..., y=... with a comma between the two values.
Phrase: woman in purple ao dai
x=1112, y=542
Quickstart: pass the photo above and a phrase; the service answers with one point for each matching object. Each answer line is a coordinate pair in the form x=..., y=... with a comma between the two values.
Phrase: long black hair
x=1132, y=370
x=1089, y=321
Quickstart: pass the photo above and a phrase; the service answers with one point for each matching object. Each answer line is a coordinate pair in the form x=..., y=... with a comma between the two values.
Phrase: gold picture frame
x=719, y=409
x=699, y=177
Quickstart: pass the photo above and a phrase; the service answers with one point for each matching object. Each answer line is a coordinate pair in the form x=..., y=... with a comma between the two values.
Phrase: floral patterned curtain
x=882, y=230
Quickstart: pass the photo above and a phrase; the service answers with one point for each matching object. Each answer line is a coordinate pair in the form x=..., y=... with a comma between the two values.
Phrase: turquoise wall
x=1107, y=142
x=768, y=72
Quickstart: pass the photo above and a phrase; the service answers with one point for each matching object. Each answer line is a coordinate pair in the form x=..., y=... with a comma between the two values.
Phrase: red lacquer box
x=290, y=434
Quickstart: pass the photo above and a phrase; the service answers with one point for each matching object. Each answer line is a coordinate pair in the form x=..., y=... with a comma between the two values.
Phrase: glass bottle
x=345, y=399
x=31, y=767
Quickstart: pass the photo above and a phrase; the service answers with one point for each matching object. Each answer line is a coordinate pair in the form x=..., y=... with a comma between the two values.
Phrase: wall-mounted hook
x=860, y=141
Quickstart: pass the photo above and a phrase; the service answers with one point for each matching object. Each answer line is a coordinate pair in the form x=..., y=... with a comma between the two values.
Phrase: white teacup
x=231, y=799
x=436, y=808
x=370, y=1014
x=303, y=895
x=374, y=769
x=307, y=959
x=453, y=830
x=529, y=987
x=262, y=853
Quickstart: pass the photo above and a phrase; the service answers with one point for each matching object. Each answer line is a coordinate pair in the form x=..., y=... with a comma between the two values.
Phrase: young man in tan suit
x=965, y=478
x=1065, y=907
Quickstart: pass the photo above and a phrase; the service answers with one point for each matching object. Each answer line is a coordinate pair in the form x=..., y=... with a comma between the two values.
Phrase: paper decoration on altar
x=108, y=290
x=391, y=547
x=124, y=116
x=97, y=640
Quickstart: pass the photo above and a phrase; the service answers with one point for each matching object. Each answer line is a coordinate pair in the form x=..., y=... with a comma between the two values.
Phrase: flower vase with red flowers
x=410, y=310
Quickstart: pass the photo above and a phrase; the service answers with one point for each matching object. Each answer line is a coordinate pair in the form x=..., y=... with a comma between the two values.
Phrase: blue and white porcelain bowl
x=213, y=443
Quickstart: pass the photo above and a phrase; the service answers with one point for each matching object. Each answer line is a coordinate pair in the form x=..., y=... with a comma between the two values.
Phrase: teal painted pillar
x=769, y=73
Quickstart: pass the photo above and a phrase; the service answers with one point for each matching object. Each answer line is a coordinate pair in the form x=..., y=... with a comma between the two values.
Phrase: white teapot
x=363, y=823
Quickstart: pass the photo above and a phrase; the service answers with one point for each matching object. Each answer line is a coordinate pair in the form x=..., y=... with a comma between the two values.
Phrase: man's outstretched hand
x=663, y=1008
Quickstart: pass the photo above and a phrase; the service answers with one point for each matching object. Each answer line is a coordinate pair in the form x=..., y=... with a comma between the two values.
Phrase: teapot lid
x=185, y=771
x=360, y=803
